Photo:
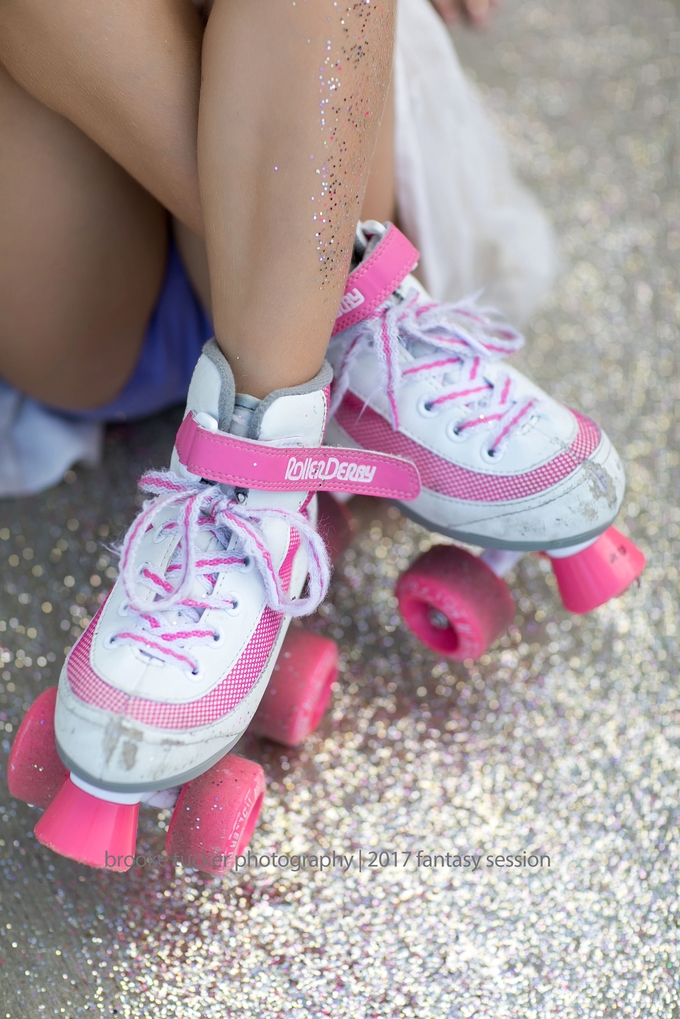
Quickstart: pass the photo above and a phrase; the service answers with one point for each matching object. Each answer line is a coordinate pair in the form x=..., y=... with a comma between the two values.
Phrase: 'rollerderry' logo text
x=353, y=299
x=325, y=470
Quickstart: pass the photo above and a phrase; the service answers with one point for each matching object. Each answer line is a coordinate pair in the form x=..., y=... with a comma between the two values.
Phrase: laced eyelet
x=218, y=638
x=247, y=566
x=235, y=608
x=123, y=608
x=109, y=641
x=491, y=456
x=162, y=533
x=196, y=674
x=456, y=434
x=426, y=407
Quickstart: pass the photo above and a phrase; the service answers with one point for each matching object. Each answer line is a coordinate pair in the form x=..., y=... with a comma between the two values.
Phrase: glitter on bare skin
x=344, y=119
x=563, y=738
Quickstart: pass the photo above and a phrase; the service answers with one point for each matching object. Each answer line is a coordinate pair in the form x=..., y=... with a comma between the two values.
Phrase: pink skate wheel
x=602, y=571
x=216, y=815
x=299, y=690
x=453, y=602
x=335, y=524
x=35, y=772
x=89, y=830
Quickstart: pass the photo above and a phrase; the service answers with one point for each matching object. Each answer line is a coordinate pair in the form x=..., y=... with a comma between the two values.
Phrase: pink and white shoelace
x=197, y=508
x=462, y=337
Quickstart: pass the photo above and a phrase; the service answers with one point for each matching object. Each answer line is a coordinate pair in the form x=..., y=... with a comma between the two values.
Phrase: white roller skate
x=502, y=464
x=169, y=673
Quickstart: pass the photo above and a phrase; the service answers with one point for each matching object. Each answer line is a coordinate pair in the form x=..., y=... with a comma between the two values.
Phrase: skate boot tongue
x=244, y=406
x=287, y=417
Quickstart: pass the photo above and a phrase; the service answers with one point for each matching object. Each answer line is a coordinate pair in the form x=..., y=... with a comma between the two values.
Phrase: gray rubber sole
x=147, y=787
x=517, y=546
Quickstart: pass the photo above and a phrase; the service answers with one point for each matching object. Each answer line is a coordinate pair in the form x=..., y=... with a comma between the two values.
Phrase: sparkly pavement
x=563, y=740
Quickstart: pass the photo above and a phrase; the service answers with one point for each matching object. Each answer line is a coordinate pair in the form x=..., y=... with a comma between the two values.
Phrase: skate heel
x=88, y=829
x=602, y=571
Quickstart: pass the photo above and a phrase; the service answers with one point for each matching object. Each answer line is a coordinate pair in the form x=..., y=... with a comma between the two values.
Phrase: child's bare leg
x=380, y=200
x=271, y=322
x=82, y=254
x=127, y=74
x=291, y=102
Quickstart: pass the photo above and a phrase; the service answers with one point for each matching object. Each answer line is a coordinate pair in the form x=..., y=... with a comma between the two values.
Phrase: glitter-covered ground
x=563, y=740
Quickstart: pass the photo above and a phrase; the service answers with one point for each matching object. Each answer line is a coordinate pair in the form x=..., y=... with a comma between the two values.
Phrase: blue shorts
x=174, y=339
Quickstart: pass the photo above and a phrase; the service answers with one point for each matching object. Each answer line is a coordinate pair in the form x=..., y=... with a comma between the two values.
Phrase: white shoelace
x=202, y=507
x=460, y=336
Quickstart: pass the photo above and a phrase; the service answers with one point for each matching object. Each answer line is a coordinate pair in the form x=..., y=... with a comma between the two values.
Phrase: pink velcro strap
x=219, y=456
x=372, y=282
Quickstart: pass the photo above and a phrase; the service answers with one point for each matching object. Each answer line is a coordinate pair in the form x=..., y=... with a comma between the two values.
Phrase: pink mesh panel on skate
x=370, y=429
x=89, y=687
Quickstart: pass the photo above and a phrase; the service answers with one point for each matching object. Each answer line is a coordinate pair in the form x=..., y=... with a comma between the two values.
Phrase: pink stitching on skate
x=246, y=463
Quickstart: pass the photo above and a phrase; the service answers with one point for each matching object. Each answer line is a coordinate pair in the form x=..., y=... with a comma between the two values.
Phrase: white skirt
x=459, y=201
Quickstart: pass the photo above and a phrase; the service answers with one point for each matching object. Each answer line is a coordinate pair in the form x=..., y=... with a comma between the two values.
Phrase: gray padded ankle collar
x=320, y=381
x=227, y=386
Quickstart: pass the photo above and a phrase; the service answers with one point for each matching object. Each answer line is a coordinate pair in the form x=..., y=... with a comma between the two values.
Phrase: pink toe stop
x=602, y=571
x=35, y=772
x=89, y=830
